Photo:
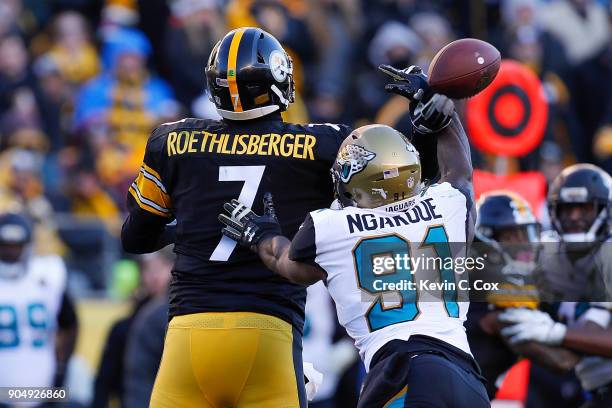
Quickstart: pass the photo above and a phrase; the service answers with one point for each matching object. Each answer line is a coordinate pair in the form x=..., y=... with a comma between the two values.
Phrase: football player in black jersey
x=234, y=337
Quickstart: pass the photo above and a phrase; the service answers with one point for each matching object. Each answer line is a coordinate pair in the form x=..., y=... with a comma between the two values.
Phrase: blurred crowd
x=83, y=82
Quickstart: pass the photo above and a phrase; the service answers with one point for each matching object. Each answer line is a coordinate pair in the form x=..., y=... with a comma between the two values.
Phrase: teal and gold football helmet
x=375, y=166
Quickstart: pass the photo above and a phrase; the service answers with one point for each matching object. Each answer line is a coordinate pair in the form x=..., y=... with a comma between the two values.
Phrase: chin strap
x=248, y=114
x=278, y=93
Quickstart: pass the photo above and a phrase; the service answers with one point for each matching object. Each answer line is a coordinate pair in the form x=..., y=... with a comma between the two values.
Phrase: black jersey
x=193, y=166
x=516, y=289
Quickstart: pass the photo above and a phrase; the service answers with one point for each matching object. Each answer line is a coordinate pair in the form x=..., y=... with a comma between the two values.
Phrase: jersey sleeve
x=67, y=317
x=148, y=192
x=604, y=264
x=599, y=313
x=303, y=246
x=456, y=205
x=149, y=204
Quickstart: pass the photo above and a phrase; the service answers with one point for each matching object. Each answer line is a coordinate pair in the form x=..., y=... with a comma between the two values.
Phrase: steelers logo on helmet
x=352, y=159
x=279, y=65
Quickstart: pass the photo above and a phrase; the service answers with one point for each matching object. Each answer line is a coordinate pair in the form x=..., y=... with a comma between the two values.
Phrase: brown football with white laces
x=463, y=68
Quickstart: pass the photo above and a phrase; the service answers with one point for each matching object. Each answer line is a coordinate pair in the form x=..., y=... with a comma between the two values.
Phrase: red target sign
x=508, y=117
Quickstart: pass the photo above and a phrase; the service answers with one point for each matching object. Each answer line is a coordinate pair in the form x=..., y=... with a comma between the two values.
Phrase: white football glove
x=313, y=380
x=532, y=325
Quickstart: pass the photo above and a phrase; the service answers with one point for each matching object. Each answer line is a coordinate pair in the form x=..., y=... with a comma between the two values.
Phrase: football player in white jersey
x=412, y=341
x=575, y=270
x=38, y=324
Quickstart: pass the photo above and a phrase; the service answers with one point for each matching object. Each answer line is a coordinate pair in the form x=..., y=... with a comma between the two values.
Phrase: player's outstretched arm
x=262, y=234
x=274, y=252
x=433, y=115
x=454, y=157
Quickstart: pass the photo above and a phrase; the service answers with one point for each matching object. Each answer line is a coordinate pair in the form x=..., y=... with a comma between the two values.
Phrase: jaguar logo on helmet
x=279, y=66
x=352, y=159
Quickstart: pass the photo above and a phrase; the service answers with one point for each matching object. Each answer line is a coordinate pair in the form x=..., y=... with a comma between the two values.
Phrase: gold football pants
x=230, y=360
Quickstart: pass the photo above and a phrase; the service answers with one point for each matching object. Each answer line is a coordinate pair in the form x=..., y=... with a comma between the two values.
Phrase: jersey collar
x=399, y=206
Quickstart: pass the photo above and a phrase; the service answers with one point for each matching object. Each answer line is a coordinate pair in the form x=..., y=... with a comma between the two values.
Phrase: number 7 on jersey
x=251, y=175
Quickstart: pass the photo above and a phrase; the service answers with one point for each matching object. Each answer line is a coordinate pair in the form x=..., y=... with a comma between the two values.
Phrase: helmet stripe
x=231, y=69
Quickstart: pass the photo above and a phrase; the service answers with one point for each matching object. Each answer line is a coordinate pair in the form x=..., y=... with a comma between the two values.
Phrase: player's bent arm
x=294, y=261
x=149, y=202
x=143, y=233
x=590, y=338
x=274, y=252
x=591, y=335
x=554, y=358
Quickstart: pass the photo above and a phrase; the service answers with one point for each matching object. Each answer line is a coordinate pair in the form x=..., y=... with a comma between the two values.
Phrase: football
x=463, y=68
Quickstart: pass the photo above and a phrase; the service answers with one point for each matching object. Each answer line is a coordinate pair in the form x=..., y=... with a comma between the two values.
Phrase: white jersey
x=348, y=244
x=29, y=306
x=592, y=371
x=317, y=341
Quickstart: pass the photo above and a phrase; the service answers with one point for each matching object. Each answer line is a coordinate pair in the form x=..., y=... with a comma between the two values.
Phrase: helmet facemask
x=588, y=230
x=284, y=98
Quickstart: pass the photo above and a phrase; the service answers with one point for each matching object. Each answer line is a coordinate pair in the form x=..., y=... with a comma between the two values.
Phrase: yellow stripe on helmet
x=231, y=69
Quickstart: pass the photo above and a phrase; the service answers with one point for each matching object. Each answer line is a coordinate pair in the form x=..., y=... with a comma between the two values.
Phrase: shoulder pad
x=159, y=134
x=338, y=128
x=549, y=236
x=440, y=190
x=324, y=215
x=186, y=123
x=335, y=205
x=51, y=268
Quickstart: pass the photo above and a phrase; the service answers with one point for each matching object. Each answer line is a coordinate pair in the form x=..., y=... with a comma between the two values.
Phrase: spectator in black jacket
x=155, y=275
x=145, y=344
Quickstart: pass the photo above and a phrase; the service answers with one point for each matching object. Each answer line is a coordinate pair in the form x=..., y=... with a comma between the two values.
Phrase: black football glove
x=246, y=227
x=411, y=82
x=429, y=112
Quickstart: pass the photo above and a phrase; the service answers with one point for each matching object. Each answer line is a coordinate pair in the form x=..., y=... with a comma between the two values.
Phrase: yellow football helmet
x=376, y=165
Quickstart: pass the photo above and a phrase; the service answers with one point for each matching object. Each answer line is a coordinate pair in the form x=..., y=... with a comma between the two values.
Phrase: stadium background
x=82, y=83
